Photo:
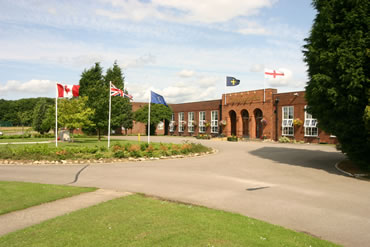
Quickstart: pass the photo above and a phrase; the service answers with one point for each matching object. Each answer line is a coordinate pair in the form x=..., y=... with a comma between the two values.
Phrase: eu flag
x=157, y=99
x=231, y=81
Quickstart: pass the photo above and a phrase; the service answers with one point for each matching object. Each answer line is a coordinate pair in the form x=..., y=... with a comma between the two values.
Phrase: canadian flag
x=68, y=91
x=273, y=74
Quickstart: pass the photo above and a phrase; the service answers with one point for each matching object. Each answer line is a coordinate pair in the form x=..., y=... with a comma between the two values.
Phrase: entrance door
x=258, y=116
x=245, y=118
x=232, y=115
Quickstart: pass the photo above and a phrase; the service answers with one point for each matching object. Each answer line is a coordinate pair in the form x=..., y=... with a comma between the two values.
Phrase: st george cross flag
x=231, y=81
x=115, y=91
x=68, y=91
x=273, y=74
x=157, y=99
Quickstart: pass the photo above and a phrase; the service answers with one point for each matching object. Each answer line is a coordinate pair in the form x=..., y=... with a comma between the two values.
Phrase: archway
x=258, y=116
x=245, y=119
x=232, y=115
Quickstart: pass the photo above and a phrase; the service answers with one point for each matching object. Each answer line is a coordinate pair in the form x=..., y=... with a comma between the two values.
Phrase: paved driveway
x=295, y=186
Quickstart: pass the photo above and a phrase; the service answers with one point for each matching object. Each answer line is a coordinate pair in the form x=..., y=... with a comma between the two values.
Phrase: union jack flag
x=126, y=95
x=115, y=91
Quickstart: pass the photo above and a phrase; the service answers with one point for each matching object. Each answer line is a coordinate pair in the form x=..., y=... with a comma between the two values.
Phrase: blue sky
x=180, y=49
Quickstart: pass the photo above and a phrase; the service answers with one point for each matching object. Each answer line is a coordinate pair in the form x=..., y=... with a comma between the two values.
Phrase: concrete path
x=23, y=218
x=295, y=186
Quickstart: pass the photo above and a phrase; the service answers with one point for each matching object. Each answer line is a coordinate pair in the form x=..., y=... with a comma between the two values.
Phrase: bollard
x=138, y=137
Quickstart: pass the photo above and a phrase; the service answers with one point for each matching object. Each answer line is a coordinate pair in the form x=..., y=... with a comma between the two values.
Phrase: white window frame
x=172, y=123
x=310, y=125
x=181, y=121
x=191, y=122
x=202, y=120
x=287, y=121
x=214, y=121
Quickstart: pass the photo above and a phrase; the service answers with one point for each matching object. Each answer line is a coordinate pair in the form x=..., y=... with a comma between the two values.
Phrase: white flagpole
x=264, y=94
x=110, y=103
x=150, y=100
x=56, y=116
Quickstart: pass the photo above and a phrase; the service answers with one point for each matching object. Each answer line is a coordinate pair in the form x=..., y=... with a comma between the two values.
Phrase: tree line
x=89, y=111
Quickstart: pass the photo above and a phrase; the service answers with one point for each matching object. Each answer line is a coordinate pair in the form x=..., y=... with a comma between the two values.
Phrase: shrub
x=284, y=139
x=144, y=146
x=232, y=138
x=119, y=154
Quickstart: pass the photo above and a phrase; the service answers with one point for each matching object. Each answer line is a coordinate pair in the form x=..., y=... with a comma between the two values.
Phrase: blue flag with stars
x=231, y=81
x=157, y=99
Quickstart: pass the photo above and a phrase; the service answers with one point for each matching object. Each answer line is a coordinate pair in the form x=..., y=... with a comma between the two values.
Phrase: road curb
x=348, y=173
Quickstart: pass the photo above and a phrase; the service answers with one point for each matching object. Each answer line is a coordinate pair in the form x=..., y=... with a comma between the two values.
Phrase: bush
x=232, y=138
x=284, y=139
x=203, y=136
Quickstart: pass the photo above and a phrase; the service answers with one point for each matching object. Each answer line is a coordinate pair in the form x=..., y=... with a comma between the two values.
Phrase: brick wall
x=297, y=100
x=247, y=106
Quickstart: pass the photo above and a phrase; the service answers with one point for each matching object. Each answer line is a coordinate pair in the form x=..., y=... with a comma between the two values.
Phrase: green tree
x=24, y=118
x=39, y=114
x=158, y=113
x=93, y=85
x=73, y=114
x=121, y=114
x=338, y=91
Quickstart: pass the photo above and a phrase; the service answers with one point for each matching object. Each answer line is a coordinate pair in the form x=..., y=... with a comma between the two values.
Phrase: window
x=172, y=123
x=310, y=124
x=191, y=121
x=202, y=120
x=214, y=122
x=181, y=122
x=287, y=124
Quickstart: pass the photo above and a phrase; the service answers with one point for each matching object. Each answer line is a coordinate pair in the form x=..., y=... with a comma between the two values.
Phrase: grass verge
x=140, y=221
x=20, y=195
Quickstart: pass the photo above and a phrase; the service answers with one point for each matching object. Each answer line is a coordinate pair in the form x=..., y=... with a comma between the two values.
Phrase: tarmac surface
x=292, y=185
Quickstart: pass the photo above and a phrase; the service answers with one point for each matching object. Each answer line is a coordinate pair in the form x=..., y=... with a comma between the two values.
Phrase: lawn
x=91, y=148
x=140, y=221
x=20, y=195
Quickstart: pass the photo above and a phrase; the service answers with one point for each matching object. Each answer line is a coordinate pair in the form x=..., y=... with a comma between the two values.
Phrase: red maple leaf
x=67, y=89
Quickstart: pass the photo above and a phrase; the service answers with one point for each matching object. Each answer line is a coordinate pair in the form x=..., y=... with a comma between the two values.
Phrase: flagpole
x=150, y=99
x=264, y=90
x=56, y=116
x=110, y=103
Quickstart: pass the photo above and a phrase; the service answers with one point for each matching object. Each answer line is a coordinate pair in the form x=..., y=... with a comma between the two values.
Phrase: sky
x=181, y=49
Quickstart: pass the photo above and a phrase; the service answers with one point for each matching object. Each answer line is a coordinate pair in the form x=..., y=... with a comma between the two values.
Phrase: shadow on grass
x=301, y=157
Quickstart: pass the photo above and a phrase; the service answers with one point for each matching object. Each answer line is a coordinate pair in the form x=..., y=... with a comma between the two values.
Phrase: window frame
x=287, y=128
x=202, y=126
x=191, y=119
x=172, y=123
x=214, y=122
x=310, y=125
x=181, y=121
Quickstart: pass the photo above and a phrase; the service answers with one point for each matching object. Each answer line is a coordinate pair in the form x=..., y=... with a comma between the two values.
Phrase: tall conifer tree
x=338, y=92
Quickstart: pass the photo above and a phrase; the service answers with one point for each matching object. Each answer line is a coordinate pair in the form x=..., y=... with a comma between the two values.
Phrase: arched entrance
x=258, y=116
x=232, y=115
x=245, y=119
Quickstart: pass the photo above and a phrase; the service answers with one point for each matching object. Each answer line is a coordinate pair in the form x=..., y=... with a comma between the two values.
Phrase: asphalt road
x=295, y=186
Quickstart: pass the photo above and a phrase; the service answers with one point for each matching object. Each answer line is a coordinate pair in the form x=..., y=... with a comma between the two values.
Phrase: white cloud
x=186, y=73
x=257, y=68
x=30, y=88
x=206, y=11
x=140, y=61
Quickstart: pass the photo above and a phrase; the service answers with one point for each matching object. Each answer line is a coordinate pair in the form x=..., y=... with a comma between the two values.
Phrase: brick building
x=257, y=114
